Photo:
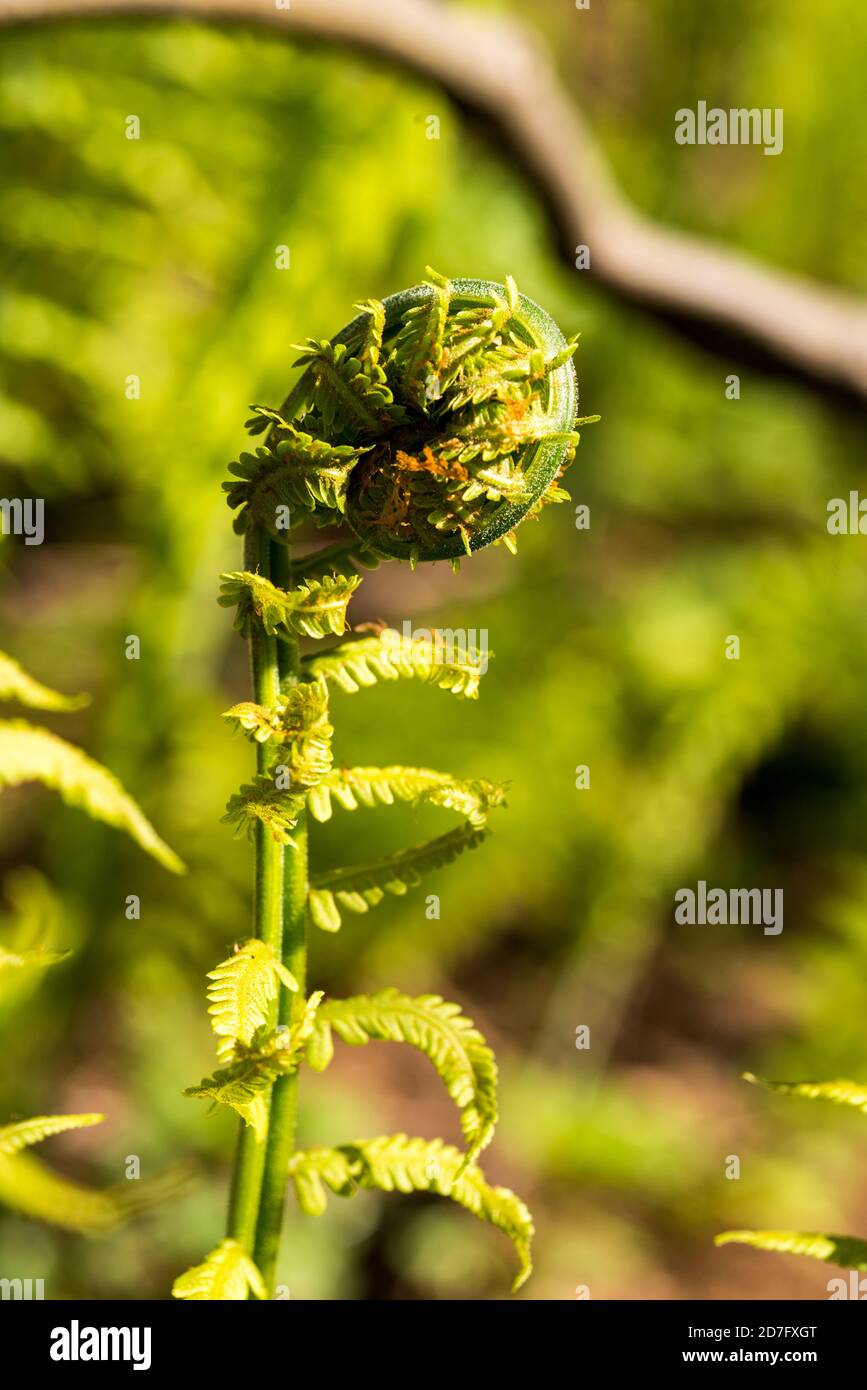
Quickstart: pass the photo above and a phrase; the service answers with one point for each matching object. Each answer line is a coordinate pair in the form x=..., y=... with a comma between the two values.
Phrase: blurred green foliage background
x=156, y=257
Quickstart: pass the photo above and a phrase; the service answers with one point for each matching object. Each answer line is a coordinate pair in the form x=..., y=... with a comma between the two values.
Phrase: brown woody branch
x=497, y=71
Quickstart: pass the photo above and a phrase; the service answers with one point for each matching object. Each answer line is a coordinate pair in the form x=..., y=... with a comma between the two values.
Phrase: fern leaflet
x=352, y=395
x=245, y=1082
x=242, y=991
x=315, y=608
x=375, y=327
x=299, y=472
x=29, y=1187
x=374, y=786
x=416, y=357
x=397, y=1163
x=263, y=801
x=360, y=886
x=362, y=662
x=226, y=1274
x=31, y=931
x=439, y=1030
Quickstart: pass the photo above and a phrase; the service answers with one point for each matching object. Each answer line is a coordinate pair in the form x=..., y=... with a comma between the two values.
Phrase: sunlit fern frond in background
x=846, y=1251
x=32, y=1189
x=29, y=933
x=29, y=754
x=852, y=1093
x=17, y=685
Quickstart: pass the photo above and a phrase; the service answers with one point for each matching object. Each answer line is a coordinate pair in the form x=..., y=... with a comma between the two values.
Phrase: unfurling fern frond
x=305, y=732
x=298, y=473
x=361, y=886
x=362, y=662
x=262, y=801
x=15, y=684
x=490, y=393
x=852, y=1093
x=439, y=1030
x=300, y=723
x=316, y=608
x=23, y=1133
x=244, y=1084
x=397, y=1163
x=28, y=754
x=846, y=1251
x=227, y=1274
x=438, y=420
x=352, y=397
x=382, y=786
x=241, y=993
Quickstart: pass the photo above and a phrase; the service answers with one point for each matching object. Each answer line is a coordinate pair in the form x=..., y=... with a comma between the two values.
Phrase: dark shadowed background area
x=156, y=258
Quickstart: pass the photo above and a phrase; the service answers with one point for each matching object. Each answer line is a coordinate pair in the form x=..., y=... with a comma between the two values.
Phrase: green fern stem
x=284, y=1094
x=267, y=904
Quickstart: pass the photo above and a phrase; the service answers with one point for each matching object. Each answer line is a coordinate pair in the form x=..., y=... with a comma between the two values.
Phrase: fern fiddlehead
x=429, y=427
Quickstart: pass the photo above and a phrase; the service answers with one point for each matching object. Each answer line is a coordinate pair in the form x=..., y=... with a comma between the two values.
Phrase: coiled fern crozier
x=429, y=427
